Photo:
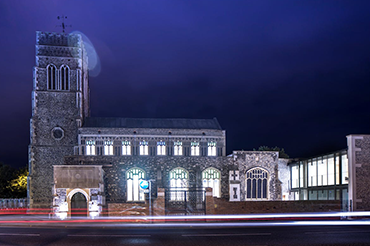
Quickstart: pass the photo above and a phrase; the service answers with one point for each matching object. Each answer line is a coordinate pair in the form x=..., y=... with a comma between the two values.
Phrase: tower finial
x=63, y=26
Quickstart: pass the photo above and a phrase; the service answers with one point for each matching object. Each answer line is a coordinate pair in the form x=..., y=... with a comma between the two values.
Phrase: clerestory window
x=212, y=149
x=177, y=148
x=194, y=149
x=90, y=147
x=126, y=148
x=161, y=148
x=108, y=147
x=144, y=148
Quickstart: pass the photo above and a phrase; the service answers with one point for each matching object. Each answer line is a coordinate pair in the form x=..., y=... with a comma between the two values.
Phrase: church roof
x=152, y=123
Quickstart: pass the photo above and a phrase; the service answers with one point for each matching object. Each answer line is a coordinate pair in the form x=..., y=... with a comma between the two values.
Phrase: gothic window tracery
x=179, y=182
x=212, y=178
x=257, y=184
x=134, y=193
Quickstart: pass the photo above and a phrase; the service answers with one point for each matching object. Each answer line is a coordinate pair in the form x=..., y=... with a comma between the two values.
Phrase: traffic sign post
x=146, y=185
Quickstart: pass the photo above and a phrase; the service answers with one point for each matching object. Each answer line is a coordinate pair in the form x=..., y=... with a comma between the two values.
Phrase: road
x=186, y=235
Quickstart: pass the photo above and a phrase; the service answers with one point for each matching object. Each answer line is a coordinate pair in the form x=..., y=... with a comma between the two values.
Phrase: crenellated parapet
x=60, y=51
x=58, y=39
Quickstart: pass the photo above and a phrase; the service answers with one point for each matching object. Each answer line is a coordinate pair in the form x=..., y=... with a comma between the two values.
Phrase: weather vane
x=63, y=26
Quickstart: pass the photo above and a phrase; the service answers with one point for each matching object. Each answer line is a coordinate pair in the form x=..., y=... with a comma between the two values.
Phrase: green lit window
x=212, y=178
x=134, y=192
x=179, y=181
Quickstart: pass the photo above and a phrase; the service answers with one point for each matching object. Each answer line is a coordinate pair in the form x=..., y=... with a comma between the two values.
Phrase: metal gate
x=185, y=201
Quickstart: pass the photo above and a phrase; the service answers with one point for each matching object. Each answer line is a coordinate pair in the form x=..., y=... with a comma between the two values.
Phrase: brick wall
x=128, y=209
x=222, y=206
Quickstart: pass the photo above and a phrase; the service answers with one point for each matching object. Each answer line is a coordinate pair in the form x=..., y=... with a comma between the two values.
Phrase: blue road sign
x=144, y=184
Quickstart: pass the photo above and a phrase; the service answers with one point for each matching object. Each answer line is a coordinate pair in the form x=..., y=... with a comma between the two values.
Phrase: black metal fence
x=180, y=201
x=7, y=203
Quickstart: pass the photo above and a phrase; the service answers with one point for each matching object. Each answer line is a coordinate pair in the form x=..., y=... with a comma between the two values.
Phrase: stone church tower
x=60, y=102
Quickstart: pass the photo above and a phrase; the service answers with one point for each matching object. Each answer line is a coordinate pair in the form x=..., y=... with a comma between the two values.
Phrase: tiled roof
x=152, y=123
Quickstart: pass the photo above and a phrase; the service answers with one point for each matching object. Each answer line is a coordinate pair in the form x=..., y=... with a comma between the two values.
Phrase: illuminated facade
x=78, y=161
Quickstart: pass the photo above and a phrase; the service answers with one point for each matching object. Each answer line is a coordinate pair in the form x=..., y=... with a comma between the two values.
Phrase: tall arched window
x=212, y=178
x=134, y=193
x=179, y=182
x=257, y=183
x=64, y=78
x=52, y=77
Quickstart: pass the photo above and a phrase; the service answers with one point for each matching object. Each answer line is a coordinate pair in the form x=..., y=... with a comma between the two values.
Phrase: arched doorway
x=78, y=205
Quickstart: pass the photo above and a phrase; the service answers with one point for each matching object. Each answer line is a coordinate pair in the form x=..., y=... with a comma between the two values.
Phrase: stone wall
x=54, y=112
x=268, y=160
x=128, y=209
x=156, y=168
x=359, y=172
x=284, y=177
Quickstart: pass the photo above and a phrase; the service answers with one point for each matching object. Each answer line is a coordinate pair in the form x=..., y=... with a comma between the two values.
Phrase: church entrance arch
x=78, y=205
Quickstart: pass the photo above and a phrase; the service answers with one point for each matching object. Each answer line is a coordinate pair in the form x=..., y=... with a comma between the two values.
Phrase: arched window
x=64, y=78
x=212, y=178
x=52, y=77
x=257, y=183
x=179, y=182
x=134, y=193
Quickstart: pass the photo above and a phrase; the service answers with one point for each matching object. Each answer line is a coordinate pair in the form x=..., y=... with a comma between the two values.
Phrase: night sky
x=293, y=74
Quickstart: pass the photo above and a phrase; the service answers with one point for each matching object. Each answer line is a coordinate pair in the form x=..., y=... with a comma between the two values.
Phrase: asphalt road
x=275, y=235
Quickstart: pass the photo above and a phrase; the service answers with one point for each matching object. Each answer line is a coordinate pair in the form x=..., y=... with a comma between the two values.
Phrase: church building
x=94, y=165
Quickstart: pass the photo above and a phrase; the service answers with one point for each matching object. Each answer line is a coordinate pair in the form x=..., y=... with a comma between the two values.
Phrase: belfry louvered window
x=257, y=183
x=52, y=78
x=64, y=78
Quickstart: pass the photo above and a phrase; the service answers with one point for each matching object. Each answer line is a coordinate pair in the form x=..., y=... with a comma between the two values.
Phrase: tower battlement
x=58, y=39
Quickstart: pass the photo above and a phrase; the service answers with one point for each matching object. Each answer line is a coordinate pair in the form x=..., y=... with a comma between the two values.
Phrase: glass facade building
x=321, y=178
